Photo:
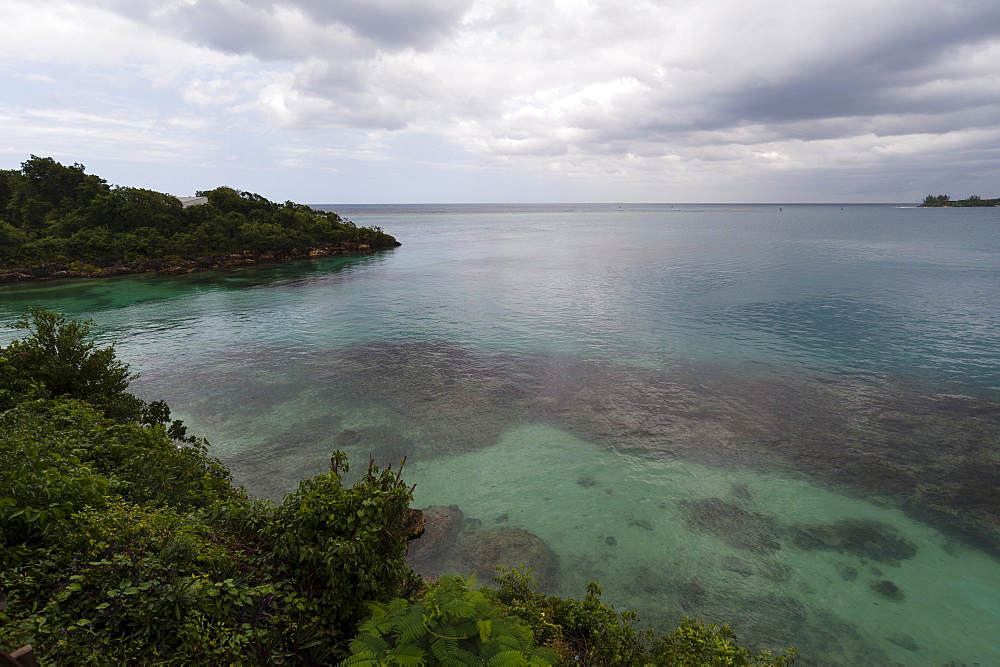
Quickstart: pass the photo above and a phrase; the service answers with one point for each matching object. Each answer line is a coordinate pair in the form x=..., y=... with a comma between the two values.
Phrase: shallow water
x=662, y=376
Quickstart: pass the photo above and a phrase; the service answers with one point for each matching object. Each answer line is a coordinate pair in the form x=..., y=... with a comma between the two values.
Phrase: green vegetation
x=52, y=214
x=945, y=200
x=451, y=624
x=123, y=542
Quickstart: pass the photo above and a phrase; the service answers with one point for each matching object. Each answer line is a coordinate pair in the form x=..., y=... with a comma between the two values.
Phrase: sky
x=440, y=101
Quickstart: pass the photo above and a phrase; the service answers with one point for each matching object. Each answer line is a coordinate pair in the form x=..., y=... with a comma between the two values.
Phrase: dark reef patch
x=638, y=522
x=846, y=572
x=779, y=573
x=863, y=538
x=733, y=525
x=904, y=641
x=888, y=590
x=931, y=454
x=737, y=565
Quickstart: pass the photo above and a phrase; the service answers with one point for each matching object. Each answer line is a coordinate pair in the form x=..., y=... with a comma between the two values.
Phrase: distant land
x=945, y=200
x=58, y=221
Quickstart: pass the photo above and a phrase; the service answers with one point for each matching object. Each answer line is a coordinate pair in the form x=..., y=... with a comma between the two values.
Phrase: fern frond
x=485, y=627
x=409, y=655
x=444, y=647
x=411, y=628
x=364, y=659
x=470, y=661
x=507, y=659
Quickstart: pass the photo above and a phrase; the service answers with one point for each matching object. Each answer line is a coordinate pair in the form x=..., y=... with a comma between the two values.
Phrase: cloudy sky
x=386, y=101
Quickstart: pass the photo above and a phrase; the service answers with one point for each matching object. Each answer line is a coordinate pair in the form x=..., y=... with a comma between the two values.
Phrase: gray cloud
x=651, y=89
x=391, y=24
x=261, y=27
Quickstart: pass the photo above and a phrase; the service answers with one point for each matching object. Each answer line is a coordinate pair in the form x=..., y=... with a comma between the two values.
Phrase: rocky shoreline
x=177, y=265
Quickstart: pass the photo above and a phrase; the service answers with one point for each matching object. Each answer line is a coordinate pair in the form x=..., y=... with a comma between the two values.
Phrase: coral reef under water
x=863, y=538
x=934, y=455
x=734, y=525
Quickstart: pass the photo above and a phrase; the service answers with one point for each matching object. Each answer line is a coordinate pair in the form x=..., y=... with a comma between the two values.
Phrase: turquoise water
x=731, y=412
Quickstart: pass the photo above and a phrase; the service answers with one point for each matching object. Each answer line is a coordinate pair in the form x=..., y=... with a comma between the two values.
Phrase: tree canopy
x=972, y=200
x=56, y=214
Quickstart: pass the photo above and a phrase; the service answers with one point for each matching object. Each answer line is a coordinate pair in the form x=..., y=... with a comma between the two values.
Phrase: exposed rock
x=863, y=538
x=888, y=590
x=734, y=525
x=413, y=527
x=512, y=548
x=441, y=526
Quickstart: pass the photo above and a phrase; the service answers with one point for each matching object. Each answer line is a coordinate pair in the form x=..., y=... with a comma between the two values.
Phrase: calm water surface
x=782, y=419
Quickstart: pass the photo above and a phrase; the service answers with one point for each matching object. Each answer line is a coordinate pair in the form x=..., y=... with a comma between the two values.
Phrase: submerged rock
x=633, y=522
x=846, y=572
x=888, y=590
x=779, y=573
x=692, y=595
x=512, y=548
x=863, y=538
x=734, y=525
x=904, y=641
x=441, y=526
x=737, y=565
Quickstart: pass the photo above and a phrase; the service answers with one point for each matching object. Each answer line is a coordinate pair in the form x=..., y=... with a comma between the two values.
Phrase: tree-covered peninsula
x=123, y=542
x=59, y=221
x=945, y=201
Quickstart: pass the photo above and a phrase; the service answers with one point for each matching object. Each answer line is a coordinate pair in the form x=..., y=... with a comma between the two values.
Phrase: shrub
x=451, y=625
x=345, y=545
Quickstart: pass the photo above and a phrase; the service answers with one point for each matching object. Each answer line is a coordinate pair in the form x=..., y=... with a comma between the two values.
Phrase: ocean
x=783, y=417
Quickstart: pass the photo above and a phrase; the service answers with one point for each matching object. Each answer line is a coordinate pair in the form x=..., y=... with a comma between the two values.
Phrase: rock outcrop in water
x=451, y=543
x=441, y=527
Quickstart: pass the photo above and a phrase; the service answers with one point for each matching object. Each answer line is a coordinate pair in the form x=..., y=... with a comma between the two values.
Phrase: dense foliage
x=123, y=542
x=56, y=214
x=945, y=200
x=451, y=624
